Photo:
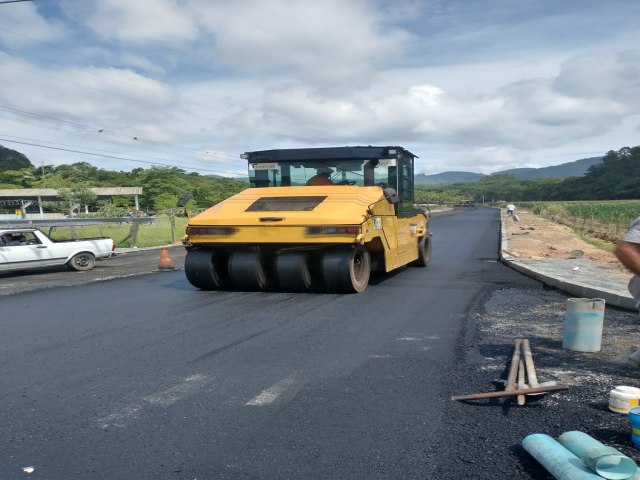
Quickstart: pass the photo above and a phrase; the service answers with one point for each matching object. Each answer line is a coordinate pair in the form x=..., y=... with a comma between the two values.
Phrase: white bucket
x=622, y=398
x=583, y=322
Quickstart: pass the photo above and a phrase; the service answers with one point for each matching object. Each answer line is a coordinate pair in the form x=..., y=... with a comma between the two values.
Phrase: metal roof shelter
x=23, y=197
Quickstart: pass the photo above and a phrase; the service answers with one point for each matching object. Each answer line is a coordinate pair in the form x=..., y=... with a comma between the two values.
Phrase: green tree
x=53, y=180
x=13, y=160
x=107, y=208
x=616, y=178
x=166, y=201
x=75, y=197
x=159, y=181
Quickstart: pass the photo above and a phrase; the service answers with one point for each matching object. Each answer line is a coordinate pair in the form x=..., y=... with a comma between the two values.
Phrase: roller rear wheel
x=424, y=252
x=246, y=271
x=292, y=271
x=347, y=270
x=201, y=270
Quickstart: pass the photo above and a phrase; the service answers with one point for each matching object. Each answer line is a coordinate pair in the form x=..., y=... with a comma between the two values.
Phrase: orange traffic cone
x=166, y=262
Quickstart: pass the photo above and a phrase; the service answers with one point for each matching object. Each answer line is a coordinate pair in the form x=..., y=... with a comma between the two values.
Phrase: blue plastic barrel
x=583, y=322
x=634, y=418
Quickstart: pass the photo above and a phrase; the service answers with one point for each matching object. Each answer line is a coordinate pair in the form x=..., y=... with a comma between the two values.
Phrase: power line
x=266, y=115
x=36, y=119
x=98, y=90
x=92, y=132
x=228, y=167
x=106, y=155
x=14, y=1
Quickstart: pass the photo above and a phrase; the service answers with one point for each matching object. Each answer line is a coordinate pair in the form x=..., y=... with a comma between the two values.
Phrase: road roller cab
x=312, y=219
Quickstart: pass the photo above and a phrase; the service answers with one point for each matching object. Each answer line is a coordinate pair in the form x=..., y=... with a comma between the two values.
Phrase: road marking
x=418, y=339
x=164, y=398
x=180, y=391
x=271, y=394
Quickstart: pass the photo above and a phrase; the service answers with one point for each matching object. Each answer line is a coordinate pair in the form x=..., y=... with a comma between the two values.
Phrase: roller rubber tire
x=346, y=270
x=201, y=271
x=246, y=271
x=292, y=271
x=424, y=252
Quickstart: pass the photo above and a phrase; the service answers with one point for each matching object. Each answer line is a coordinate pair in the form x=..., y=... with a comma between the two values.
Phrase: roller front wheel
x=424, y=252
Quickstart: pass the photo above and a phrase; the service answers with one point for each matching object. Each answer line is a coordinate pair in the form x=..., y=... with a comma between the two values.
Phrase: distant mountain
x=564, y=170
x=447, y=177
x=571, y=169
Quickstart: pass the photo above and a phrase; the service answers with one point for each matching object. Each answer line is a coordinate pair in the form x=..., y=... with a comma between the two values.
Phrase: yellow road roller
x=313, y=219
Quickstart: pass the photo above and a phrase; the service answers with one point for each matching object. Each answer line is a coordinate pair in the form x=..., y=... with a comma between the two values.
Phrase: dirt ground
x=533, y=236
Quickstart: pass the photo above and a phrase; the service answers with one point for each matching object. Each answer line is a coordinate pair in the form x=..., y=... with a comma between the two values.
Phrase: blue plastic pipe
x=605, y=461
x=559, y=461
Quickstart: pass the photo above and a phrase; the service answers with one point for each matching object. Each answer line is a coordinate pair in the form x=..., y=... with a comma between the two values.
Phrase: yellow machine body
x=378, y=226
x=285, y=234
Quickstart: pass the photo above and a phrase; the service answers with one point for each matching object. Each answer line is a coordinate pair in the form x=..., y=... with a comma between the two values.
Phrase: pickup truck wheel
x=292, y=271
x=347, y=270
x=82, y=261
x=201, y=270
x=424, y=252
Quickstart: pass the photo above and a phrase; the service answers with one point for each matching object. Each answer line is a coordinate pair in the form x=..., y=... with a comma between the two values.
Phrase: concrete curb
x=616, y=298
x=120, y=251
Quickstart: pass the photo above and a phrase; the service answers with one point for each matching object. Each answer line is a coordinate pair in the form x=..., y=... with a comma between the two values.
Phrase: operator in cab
x=322, y=177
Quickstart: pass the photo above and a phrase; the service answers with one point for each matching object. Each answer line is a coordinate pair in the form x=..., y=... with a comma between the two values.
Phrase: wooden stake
x=521, y=381
x=521, y=364
x=528, y=360
x=513, y=368
x=509, y=393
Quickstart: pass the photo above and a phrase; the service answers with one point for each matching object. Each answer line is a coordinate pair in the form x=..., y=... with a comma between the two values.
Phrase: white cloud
x=427, y=94
x=430, y=76
x=612, y=77
x=21, y=27
x=149, y=22
x=319, y=42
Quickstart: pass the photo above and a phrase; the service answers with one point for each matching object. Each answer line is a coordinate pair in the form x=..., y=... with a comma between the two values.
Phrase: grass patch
x=149, y=234
x=597, y=242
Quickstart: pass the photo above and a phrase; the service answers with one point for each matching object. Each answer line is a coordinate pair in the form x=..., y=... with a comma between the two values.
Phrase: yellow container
x=623, y=398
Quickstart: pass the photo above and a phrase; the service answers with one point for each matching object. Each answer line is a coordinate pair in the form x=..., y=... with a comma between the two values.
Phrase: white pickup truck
x=24, y=248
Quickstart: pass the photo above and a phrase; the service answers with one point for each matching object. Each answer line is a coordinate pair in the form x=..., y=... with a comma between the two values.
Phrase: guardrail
x=71, y=222
x=79, y=222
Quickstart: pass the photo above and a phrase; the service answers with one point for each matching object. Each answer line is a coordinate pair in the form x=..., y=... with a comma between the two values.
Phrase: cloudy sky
x=467, y=85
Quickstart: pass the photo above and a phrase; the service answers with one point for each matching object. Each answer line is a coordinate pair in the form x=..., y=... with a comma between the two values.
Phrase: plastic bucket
x=623, y=398
x=583, y=322
x=634, y=418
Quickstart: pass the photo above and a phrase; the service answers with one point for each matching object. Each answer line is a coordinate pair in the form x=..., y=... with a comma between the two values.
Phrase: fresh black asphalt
x=147, y=378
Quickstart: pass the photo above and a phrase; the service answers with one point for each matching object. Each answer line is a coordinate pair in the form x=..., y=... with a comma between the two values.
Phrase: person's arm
x=629, y=255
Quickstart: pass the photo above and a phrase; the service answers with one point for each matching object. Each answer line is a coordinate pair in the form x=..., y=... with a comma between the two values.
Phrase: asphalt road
x=125, y=263
x=145, y=377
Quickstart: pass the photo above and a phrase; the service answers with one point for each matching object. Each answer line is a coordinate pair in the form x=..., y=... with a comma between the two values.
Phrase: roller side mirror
x=391, y=195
